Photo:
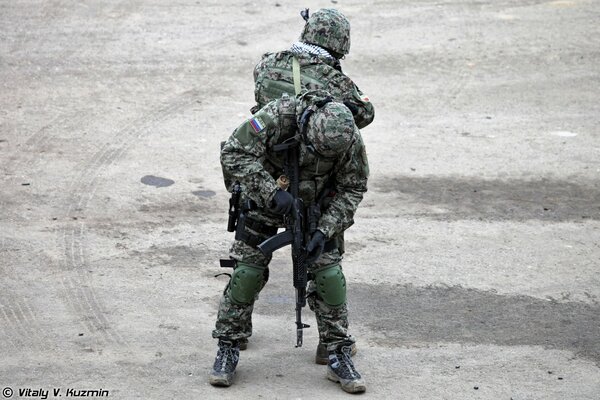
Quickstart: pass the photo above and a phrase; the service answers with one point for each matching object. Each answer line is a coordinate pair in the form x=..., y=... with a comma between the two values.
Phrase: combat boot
x=227, y=358
x=243, y=343
x=322, y=356
x=341, y=369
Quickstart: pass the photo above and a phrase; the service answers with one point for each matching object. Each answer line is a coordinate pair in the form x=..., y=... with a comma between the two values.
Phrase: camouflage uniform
x=248, y=157
x=330, y=31
x=325, y=39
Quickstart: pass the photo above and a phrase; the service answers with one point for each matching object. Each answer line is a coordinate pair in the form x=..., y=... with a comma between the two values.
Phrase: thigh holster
x=253, y=232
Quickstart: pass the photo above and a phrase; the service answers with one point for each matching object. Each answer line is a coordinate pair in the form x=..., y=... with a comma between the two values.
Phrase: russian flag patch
x=257, y=124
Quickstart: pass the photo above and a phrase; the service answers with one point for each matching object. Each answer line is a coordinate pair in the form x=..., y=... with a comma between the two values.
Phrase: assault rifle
x=301, y=223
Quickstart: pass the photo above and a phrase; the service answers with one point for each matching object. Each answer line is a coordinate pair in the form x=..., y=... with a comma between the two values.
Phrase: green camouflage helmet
x=329, y=29
x=330, y=130
x=311, y=99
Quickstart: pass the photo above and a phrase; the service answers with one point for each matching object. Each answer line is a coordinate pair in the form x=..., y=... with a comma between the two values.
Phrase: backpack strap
x=296, y=75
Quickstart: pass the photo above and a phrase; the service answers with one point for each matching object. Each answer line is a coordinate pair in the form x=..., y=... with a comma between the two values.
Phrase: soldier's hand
x=282, y=202
x=315, y=246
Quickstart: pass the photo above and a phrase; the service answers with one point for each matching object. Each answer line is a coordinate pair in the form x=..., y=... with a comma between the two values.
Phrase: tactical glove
x=282, y=202
x=315, y=246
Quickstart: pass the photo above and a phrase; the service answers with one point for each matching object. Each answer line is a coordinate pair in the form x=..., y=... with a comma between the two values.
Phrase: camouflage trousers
x=235, y=321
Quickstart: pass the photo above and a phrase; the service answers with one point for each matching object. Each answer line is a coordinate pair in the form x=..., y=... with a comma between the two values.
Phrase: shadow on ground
x=464, y=198
x=405, y=314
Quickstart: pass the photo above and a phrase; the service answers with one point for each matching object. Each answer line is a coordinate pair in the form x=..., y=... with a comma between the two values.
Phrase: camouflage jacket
x=273, y=77
x=248, y=157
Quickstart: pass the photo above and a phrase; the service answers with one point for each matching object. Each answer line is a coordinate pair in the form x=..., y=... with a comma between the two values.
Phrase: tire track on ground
x=24, y=325
x=6, y=324
x=76, y=289
x=79, y=291
x=18, y=319
x=29, y=150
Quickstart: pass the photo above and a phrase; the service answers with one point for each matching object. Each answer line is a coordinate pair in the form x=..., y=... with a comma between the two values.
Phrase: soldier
x=332, y=161
x=314, y=63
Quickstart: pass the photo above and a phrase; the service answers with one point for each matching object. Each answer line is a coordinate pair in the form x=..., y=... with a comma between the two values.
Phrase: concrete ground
x=473, y=264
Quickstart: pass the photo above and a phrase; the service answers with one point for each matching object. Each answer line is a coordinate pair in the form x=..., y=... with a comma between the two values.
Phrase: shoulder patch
x=257, y=124
x=365, y=98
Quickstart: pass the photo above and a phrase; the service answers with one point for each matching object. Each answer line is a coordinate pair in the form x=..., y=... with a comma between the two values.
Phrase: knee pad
x=331, y=285
x=246, y=282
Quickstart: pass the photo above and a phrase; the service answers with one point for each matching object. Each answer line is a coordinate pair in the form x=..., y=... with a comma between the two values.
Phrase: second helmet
x=329, y=29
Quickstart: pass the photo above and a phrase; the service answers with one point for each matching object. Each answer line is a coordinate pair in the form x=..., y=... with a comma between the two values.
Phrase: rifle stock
x=276, y=242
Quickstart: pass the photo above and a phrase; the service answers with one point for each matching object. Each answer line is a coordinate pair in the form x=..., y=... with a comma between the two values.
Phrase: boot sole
x=220, y=381
x=350, y=387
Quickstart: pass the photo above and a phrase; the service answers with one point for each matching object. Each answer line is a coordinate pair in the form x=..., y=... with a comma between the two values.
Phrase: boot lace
x=341, y=362
x=228, y=356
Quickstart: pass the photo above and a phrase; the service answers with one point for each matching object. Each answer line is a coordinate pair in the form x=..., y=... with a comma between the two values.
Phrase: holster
x=246, y=227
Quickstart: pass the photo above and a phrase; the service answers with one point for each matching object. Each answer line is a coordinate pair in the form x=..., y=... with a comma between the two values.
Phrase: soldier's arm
x=351, y=184
x=360, y=105
x=365, y=112
x=242, y=156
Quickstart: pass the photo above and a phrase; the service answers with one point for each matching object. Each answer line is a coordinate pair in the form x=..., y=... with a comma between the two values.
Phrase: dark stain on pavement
x=156, y=181
x=515, y=200
x=405, y=314
x=204, y=193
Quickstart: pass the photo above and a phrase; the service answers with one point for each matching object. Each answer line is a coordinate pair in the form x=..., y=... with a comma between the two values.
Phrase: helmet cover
x=330, y=29
x=330, y=130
